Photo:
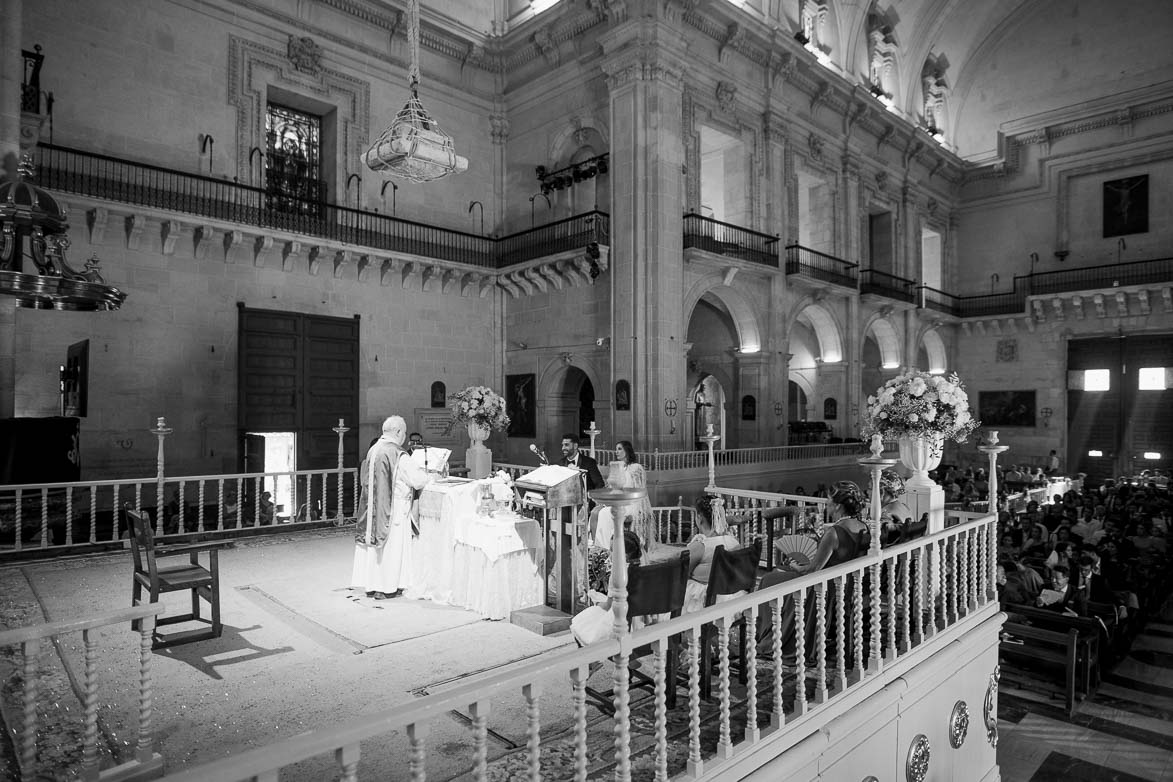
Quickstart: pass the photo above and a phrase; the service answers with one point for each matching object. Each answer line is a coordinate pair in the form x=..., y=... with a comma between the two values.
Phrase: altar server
x=382, y=554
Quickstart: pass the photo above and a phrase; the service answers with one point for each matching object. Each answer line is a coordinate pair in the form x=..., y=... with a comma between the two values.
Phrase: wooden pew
x=1029, y=644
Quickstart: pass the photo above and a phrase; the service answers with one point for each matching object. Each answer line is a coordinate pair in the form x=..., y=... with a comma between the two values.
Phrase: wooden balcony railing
x=115, y=179
x=891, y=608
x=733, y=241
x=143, y=762
x=815, y=265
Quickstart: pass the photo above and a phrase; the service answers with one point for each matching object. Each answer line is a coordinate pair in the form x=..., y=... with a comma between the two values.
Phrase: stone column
x=11, y=70
x=777, y=343
x=751, y=380
x=850, y=411
x=644, y=66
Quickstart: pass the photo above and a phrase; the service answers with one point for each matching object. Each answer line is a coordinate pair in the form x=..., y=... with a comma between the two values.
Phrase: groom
x=572, y=457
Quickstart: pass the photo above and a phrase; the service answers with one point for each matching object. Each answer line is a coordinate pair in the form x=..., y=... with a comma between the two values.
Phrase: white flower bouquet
x=917, y=404
x=481, y=406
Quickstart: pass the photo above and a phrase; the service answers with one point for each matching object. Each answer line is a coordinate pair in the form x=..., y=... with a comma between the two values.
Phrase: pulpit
x=555, y=497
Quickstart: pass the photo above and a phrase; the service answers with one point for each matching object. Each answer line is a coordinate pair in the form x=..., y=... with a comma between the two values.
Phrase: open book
x=433, y=459
x=1049, y=596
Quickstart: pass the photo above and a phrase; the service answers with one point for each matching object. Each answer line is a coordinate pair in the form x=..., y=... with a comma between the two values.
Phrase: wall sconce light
x=1046, y=413
x=778, y=408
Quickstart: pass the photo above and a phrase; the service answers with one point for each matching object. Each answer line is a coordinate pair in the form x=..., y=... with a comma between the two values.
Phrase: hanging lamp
x=414, y=147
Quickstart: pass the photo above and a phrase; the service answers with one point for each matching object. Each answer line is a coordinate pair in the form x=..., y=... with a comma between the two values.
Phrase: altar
x=489, y=564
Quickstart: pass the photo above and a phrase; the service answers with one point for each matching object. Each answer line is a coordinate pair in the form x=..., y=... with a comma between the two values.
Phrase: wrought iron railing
x=572, y=233
x=1132, y=273
x=733, y=241
x=887, y=285
x=142, y=184
x=940, y=301
x=820, y=266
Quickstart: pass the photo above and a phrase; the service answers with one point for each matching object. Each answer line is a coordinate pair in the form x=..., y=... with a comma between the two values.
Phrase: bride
x=627, y=473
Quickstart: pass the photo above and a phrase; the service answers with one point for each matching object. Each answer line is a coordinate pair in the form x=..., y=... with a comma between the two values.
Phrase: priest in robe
x=386, y=531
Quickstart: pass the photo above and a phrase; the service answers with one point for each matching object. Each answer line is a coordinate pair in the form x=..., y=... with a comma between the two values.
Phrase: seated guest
x=1061, y=595
x=594, y=623
x=1011, y=587
x=714, y=532
x=841, y=542
x=1036, y=541
x=1006, y=547
x=1061, y=555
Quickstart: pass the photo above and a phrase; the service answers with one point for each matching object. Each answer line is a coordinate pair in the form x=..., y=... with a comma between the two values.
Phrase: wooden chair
x=202, y=582
x=653, y=589
x=731, y=572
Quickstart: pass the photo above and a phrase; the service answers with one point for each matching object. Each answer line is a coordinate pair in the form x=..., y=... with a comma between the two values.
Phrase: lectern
x=553, y=495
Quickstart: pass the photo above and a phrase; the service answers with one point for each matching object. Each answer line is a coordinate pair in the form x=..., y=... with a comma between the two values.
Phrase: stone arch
x=826, y=330
x=887, y=338
x=935, y=348
x=572, y=145
x=552, y=400
x=741, y=311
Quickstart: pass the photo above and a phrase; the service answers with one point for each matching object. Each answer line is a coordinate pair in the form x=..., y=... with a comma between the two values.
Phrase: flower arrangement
x=917, y=404
x=481, y=406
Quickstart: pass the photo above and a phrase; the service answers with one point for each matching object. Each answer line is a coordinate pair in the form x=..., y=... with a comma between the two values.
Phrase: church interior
x=237, y=235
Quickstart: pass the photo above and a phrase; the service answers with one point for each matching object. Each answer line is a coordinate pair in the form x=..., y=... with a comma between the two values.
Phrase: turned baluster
x=725, y=741
x=89, y=751
x=820, y=643
x=660, y=677
x=857, y=625
x=876, y=639
x=949, y=553
x=69, y=515
x=28, y=723
x=200, y=514
x=840, y=634
x=220, y=504
x=144, y=748
x=890, y=646
x=45, y=537
x=578, y=679
x=480, y=738
x=751, y=696
x=94, y=517
x=347, y=759
x=778, y=713
x=695, y=766
x=417, y=756
x=239, y=503
x=533, y=729
x=800, y=652
x=931, y=590
x=906, y=592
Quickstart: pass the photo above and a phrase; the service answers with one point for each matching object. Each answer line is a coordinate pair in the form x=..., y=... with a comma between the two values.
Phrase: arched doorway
x=571, y=406
x=797, y=397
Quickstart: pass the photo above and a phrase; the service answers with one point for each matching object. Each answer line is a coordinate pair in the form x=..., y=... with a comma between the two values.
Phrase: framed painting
x=1126, y=206
x=519, y=405
x=1006, y=408
x=622, y=395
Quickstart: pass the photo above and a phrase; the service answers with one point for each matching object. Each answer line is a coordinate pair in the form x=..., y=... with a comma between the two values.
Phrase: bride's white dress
x=629, y=476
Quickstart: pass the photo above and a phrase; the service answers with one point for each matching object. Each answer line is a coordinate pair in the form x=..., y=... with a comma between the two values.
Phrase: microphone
x=540, y=453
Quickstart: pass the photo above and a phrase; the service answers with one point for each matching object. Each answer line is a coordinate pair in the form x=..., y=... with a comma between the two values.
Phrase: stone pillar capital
x=647, y=50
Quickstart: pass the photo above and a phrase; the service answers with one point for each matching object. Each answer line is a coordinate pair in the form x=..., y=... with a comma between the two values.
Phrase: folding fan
x=797, y=548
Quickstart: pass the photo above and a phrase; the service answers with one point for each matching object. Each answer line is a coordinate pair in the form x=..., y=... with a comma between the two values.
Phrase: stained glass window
x=293, y=161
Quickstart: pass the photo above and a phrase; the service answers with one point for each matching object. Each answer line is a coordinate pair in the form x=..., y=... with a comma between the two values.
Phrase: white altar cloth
x=488, y=564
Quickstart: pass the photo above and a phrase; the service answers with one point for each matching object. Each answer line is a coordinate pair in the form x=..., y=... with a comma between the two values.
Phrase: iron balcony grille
x=819, y=266
x=732, y=241
x=887, y=285
x=102, y=176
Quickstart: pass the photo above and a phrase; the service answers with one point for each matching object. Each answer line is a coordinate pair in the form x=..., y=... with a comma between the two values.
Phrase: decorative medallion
x=958, y=724
x=816, y=146
x=990, y=709
x=305, y=54
x=918, y=759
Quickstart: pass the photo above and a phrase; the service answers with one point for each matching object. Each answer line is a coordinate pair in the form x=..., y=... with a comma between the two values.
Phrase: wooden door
x=300, y=373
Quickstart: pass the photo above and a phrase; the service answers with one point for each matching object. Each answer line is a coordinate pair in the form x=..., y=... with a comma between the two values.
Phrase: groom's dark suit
x=584, y=462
